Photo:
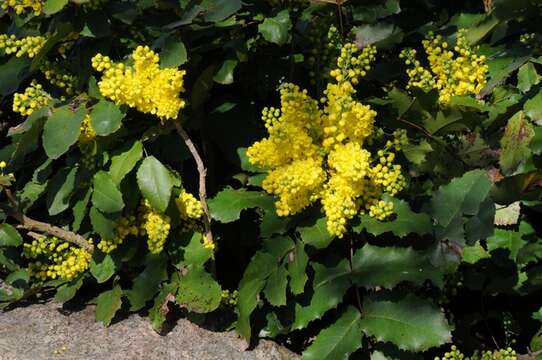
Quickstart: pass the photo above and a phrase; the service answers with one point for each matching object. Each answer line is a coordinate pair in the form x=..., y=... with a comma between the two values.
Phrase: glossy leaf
x=61, y=131
x=107, y=305
x=155, y=182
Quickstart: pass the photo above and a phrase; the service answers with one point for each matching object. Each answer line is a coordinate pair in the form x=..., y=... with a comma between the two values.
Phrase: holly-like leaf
x=316, y=234
x=102, y=267
x=106, y=196
x=515, y=143
x=374, y=266
x=533, y=108
x=339, y=340
x=329, y=287
x=224, y=75
x=506, y=239
x=252, y=283
x=61, y=131
x=195, y=253
x=60, y=190
x=101, y=224
x=106, y=117
x=67, y=291
x=9, y=236
x=275, y=289
x=51, y=7
x=218, y=10
x=276, y=29
x=227, y=205
x=80, y=210
x=198, y=291
x=297, y=268
x=107, y=305
x=474, y=253
x=173, y=53
x=411, y=323
x=527, y=77
x=147, y=283
x=405, y=221
x=122, y=164
x=416, y=153
x=462, y=196
x=160, y=309
x=155, y=182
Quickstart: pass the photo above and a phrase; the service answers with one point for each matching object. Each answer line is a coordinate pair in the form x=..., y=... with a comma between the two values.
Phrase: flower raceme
x=20, y=6
x=28, y=46
x=318, y=153
x=452, y=71
x=142, y=85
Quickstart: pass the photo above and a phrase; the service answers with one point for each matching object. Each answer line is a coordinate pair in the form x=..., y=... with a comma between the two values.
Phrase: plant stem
x=202, y=174
x=45, y=228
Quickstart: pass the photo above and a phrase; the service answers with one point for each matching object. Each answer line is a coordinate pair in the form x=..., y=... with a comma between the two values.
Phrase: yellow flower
x=143, y=86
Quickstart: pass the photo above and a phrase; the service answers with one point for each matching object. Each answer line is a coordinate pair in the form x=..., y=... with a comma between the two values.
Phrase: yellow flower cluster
x=208, y=244
x=33, y=98
x=56, y=259
x=21, y=5
x=229, y=298
x=27, y=46
x=58, y=77
x=502, y=354
x=315, y=153
x=144, y=85
x=156, y=226
x=189, y=206
x=124, y=227
x=452, y=71
x=87, y=131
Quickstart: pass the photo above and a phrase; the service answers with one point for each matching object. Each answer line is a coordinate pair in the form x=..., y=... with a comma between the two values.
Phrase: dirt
x=46, y=331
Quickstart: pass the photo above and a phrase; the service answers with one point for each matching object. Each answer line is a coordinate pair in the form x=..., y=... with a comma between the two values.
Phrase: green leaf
x=51, y=7
x=67, y=291
x=147, y=283
x=224, y=75
x=462, y=196
x=316, y=234
x=173, y=53
x=9, y=236
x=155, y=182
x=195, y=253
x=227, y=205
x=416, y=153
x=106, y=196
x=107, y=305
x=405, y=222
x=60, y=190
x=506, y=239
x=101, y=224
x=258, y=270
x=157, y=314
x=218, y=10
x=297, y=268
x=61, y=131
x=275, y=289
x=245, y=163
x=533, y=108
x=474, y=253
x=106, y=117
x=374, y=266
x=276, y=29
x=527, y=77
x=515, y=143
x=198, y=291
x=339, y=340
x=122, y=164
x=369, y=34
x=411, y=323
x=329, y=286
x=12, y=74
x=102, y=267
x=80, y=210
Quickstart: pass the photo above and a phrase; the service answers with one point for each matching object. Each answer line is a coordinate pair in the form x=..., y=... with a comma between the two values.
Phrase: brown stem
x=529, y=355
x=202, y=174
x=45, y=228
